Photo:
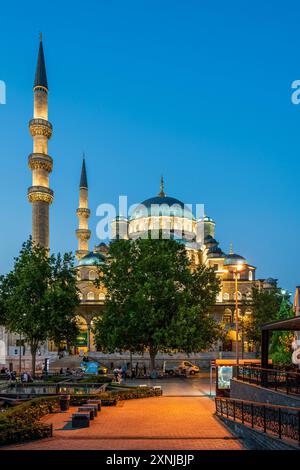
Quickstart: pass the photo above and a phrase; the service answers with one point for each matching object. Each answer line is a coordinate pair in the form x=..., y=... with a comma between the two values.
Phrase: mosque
x=197, y=234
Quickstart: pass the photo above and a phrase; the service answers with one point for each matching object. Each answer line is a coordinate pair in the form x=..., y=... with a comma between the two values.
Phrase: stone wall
x=245, y=391
x=254, y=439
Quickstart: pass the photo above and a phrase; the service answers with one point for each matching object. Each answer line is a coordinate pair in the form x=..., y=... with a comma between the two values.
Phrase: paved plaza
x=167, y=422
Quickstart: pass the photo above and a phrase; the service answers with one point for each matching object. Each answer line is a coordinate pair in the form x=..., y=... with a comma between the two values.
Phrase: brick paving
x=151, y=423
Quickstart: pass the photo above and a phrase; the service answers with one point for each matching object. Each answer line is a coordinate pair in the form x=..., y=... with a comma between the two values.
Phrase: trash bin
x=64, y=402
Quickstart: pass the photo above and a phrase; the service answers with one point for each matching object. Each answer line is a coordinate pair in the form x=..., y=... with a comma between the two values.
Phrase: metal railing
x=277, y=421
x=287, y=382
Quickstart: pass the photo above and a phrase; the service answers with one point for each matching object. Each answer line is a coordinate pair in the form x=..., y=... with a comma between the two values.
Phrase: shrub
x=19, y=424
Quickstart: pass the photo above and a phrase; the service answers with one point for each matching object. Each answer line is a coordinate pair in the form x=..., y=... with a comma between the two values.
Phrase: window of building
x=216, y=267
x=92, y=275
x=227, y=316
x=78, y=275
x=101, y=296
x=225, y=296
x=250, y=276
x=240, y=296
x=219, y=297
x=80, y=296
x=91, y=296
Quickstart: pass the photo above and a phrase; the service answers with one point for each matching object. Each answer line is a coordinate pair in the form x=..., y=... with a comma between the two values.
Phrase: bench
x=80, y=420
x=95, y=407
x=88, y=409
x=95, y=402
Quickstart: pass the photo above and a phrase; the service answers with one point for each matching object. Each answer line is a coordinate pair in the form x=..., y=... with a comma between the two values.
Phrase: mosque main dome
x=161, y=205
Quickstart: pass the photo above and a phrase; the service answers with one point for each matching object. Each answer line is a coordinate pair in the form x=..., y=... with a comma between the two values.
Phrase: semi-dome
x=92, y=259
x=234, y=258
x=162, y=206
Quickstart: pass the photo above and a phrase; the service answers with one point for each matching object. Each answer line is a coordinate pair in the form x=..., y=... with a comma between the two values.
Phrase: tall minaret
x=40, y=163
x=83, y=213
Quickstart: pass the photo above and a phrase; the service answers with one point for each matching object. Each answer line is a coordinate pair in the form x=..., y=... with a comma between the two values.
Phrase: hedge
x=20, y=424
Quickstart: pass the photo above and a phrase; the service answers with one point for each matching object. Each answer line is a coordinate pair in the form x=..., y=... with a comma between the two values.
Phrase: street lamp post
x=235, y=272
x=20, y=358
x=235, y=264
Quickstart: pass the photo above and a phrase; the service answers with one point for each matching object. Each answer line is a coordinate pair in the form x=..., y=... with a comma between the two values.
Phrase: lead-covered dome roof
x=92, y=259
x=162, y=206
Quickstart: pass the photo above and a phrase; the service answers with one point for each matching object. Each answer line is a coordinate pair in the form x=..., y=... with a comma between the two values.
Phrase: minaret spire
x=83, y=213
x=40, y=163
x=83, y=178
x=230, y=249
x=162, y=184
x=40, y=73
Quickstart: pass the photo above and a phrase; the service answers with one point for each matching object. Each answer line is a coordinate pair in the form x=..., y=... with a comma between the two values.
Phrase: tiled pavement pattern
x=151, y=423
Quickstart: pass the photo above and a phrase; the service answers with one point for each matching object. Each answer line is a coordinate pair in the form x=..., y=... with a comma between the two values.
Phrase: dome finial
x=230, y=249
x=162, y=184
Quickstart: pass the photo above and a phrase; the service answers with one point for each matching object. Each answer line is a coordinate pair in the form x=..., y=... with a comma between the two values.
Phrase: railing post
x=233, y=410
x=252, y=420
x=227, y=411
x=242, y=412
x=265, y=424
x=51, y=430
x=279, y=423
x=221, y=407
x=275, y=378
x=299, y=428
x=287, y=383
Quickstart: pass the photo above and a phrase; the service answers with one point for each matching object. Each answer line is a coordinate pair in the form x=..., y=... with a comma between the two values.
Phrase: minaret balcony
x=83, y=234
x=37, y=161
x=40, y=127
x=83, y=212
x=40, y=193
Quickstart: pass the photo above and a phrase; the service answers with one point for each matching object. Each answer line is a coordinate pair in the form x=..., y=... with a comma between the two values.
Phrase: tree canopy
x=155, y=301
x=39, y=296
x=265, y=305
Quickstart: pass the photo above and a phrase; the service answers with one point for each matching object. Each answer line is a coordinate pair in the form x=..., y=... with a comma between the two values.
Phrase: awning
x=290, y=324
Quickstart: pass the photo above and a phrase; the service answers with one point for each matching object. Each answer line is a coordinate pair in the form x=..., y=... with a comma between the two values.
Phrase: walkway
x=150, y=423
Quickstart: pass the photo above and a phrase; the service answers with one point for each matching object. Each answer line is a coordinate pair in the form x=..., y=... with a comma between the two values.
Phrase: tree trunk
x=152, y=353
x=33, y=350
x=131, y=364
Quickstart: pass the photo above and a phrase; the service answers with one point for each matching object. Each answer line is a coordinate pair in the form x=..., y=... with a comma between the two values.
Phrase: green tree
x=281, y=341
x=39, y=296
x=265, y=305
x=155, y=302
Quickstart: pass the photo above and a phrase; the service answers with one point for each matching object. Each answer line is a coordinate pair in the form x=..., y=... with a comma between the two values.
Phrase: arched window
x=78, y=275
x=91, y=296
x=80, y=296
x=227, y=316
x=92, y=275
x=101, y=296
x=240, y=296
x=249, y=295
x=225, y=296
x=250, y=276
x=219, y=297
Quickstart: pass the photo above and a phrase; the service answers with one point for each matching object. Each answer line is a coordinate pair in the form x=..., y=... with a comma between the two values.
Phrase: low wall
x=254, y=439
x=245, y=391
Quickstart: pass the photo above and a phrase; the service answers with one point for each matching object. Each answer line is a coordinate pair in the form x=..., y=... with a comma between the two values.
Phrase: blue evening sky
x=197, y=91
